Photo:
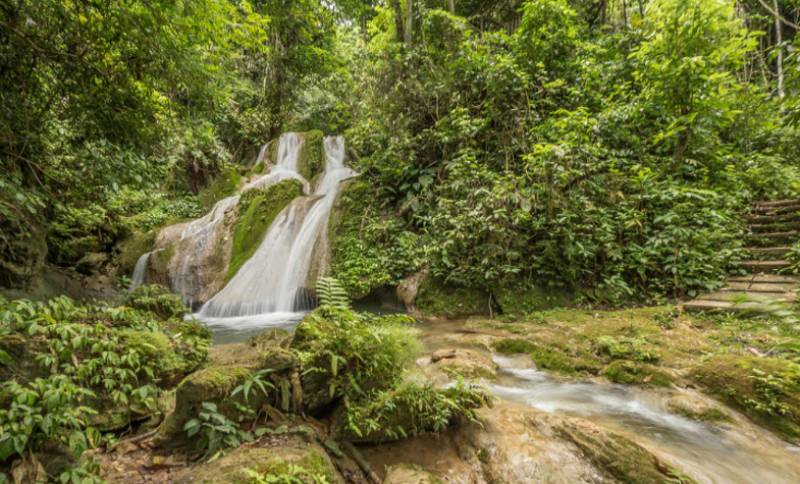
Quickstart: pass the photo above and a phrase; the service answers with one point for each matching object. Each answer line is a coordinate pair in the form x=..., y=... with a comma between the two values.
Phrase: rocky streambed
x=540, y=427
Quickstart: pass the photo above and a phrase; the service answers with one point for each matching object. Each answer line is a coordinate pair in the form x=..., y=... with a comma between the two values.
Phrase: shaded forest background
x=605, y=148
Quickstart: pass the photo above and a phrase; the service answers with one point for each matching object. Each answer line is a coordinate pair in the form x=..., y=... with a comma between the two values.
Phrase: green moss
x=311, y=160
x=525, y=300
x=514, y=346
x=617, y=456
x=132, y=248
x=633, y=373
x=257, y=211
x=224, y=185
x=549, y=357
x=625, y=348
x=437, y=299
x=766, y=389
x=709, y=414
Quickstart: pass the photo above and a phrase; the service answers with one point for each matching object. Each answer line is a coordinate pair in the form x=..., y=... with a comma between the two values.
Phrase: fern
x=331, y=294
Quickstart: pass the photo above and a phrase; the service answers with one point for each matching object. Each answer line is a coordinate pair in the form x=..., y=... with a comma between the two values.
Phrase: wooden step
x=773, y=211
x=747, y=296
x=774, y=227
x=766, y=219
x=761, y=286
x=764, y=279
x=766, y=239
x=746, y=307
x=759, y=252
x=764, y=265
x=777, y=203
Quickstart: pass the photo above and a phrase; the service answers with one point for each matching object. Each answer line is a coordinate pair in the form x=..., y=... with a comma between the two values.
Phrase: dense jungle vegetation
x=604, y=148
x=523, y=154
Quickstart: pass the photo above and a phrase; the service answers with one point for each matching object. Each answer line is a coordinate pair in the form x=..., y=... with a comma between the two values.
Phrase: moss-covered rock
x=286, y=459
x=635, y=373
x=132, y=247
x=257, y=211
x=555, y=357
x=311, y=160
x=230, y=366
x=224, y=185
x=616, y=455
x=765, y=389
x=410, y=474
x=437, y=299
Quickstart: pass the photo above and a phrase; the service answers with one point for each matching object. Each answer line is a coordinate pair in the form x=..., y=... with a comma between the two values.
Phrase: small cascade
x=198, y=239
x=271, y=284
x=139, y=271
x=262, y=153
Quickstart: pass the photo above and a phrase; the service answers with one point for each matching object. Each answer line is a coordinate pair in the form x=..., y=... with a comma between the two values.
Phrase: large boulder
x=280, y=458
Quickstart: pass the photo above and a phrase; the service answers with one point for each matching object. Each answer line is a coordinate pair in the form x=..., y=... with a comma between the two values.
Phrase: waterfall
x=198, y=240
x=269, y=283
x=137, y=278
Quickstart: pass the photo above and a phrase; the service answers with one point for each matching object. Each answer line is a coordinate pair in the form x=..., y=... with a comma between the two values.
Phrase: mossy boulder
x=615, y=455
x=552, y=356
x=132, y=247
x=435, y=298
x=410, y=474
x=287, y=458
x=311, y=160
x=766, y=389
x=225, y=184
x=230, y=366
x=635, y=373
x=257, y=210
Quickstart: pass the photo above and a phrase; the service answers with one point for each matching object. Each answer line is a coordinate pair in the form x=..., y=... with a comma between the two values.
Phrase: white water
x=137, y=278
x=265, y=291
x=708, y=454
x=198, y=239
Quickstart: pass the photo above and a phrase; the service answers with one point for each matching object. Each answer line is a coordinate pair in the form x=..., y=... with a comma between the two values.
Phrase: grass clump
x=634, y=373
x=257, y=211
x=625, y=348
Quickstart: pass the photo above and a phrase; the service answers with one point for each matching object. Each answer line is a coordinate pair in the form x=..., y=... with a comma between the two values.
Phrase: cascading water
x=137, y=278
x=198, y=239
x=267, y=286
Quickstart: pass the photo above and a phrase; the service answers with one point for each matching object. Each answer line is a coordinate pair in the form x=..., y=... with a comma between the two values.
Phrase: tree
x=686, y=67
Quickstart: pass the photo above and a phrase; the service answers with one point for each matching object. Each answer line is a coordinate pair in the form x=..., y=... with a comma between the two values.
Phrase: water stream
x=707, y=453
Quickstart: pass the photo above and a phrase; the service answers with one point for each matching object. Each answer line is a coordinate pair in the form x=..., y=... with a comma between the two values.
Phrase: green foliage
x=41, y=412
x=74, y=369
x=257, y=210
x=158, y=300
x=625, y=348
x=766, y=389
x=331, y=294
x=369, y=247
x=411, y=409
x=215, y=432
x=612, y=164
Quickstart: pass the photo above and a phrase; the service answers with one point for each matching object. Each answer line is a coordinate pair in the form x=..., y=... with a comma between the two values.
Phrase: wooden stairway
x=773, y=227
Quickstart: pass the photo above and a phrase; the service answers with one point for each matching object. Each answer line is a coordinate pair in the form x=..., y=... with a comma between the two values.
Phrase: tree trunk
x=409, y=22
x=779, y=43
x=452, y=5
x=399, y=26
